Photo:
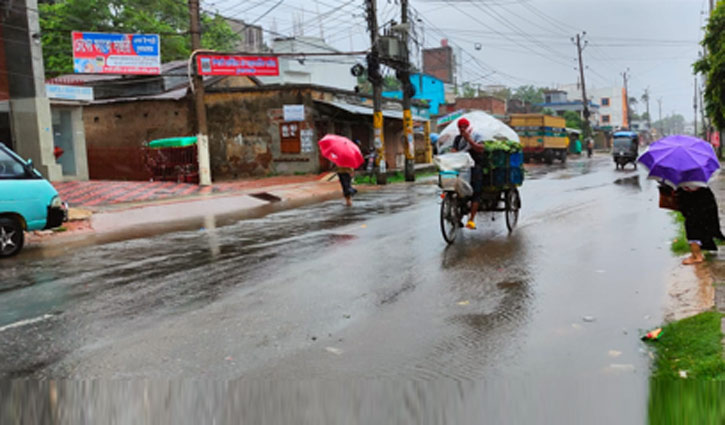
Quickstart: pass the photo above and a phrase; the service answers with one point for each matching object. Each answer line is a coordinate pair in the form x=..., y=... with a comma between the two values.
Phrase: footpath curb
x=717, y=265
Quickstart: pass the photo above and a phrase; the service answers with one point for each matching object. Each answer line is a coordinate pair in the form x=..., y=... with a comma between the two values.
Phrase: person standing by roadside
x=590, y=147
x=702, y=221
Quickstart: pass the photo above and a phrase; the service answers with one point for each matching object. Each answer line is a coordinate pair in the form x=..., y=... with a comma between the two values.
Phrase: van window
x=10, y=168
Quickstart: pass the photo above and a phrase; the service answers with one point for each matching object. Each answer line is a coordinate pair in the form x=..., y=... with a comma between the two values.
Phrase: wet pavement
x=325, y=314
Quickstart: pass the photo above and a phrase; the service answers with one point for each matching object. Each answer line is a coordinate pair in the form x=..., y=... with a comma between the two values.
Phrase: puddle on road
x=689, y=292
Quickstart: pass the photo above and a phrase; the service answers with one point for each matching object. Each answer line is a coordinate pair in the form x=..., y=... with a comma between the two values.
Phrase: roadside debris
x=614, y=353
x=589, y=319
x=333, y=350
x=464, y=302
x=653, y=335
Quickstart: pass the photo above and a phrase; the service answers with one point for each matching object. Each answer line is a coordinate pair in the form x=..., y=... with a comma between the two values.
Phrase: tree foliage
x=168, y=18
x=712, y=65
x=529, y=94
x=573, y=119
x=672, y=124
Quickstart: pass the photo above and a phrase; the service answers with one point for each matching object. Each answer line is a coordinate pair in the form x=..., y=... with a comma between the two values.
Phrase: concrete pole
x=407, y=114
x=586, y=131
x=202, y=140
x=30, y=116
x=377, y=81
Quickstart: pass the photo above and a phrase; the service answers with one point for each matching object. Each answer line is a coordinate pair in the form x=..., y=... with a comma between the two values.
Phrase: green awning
x=173, y=142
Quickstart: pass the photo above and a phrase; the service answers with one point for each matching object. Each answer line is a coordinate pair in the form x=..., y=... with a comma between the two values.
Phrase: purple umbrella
x=678, y=160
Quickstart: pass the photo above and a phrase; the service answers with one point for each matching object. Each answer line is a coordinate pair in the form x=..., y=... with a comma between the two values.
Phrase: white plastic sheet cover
x=455, y=161
x=485, y=125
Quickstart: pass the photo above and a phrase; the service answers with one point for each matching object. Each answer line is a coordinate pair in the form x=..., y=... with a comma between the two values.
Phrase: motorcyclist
x=468, y=141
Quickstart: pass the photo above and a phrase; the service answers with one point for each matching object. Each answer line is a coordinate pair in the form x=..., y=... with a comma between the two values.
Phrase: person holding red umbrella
x=344, y=153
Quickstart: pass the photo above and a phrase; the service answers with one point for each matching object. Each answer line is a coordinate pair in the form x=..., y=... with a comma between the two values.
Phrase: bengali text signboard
x=260, y=66
x=107, y=53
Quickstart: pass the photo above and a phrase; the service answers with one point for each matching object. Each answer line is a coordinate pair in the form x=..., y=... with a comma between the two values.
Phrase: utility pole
x=404, y=75
x=376, y=79
x=662, y=124
x=202, y=141
x=694, y=106
x=586, y=131
x=645, y=97
x=628, y=115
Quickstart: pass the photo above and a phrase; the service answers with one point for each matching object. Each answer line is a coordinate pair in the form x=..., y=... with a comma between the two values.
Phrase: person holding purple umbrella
x=684, y=165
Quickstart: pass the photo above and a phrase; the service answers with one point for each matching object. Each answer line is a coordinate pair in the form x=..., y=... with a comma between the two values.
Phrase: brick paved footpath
x=99, y=193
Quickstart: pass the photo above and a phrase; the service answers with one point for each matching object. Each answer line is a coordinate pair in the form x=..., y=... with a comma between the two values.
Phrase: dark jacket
x=702, y=218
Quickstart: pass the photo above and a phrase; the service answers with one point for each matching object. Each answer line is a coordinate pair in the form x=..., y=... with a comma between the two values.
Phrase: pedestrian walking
x=347, y=156
x=345, y=175
x=590, y=147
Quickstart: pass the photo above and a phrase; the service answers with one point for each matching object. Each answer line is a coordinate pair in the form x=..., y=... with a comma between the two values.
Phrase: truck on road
x=543, y=137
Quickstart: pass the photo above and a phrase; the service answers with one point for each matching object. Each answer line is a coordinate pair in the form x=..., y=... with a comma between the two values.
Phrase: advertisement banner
x=107, y=53
x=261, y=66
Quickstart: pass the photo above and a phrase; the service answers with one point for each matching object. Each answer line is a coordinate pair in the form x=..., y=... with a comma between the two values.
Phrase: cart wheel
x=513, y=204
x=450, y=218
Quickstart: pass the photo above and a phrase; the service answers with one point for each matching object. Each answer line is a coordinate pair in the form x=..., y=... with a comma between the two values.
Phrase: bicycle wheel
x=449, y=218
x=513, y=204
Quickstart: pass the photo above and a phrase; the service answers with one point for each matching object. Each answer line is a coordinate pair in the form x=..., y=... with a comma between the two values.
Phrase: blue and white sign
x=110, y=53
x=55, y=91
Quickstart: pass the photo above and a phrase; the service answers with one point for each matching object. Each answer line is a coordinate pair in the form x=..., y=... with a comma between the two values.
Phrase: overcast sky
x=523, y=41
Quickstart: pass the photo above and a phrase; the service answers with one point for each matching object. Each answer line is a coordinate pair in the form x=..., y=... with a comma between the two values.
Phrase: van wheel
x=11, y=237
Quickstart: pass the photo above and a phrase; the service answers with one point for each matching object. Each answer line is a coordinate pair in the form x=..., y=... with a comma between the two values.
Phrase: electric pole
x=662, y=124
x=586, y=132
x=376, y=79
x=645, y=97
x=202, y=142
x=404, y=76
x=694, y=106
x=628, y=115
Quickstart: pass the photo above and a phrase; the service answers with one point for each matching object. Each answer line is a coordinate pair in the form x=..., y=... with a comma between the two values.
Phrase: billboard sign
x=260, y=66
x=107, y=53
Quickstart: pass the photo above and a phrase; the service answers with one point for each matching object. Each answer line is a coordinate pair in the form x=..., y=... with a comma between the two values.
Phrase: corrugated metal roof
x=366, y=110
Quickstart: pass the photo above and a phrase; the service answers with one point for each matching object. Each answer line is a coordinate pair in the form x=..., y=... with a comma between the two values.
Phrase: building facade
x=427, y=88
x=612, y=105
x=328, y=71
x=440, y=62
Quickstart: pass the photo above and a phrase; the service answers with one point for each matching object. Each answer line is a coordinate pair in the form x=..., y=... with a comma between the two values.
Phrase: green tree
x=712, y=65
x=169, y=18
x=529, y=94
x=573, y=119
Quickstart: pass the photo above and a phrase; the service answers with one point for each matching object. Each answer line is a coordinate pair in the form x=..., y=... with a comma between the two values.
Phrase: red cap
x=463, y=123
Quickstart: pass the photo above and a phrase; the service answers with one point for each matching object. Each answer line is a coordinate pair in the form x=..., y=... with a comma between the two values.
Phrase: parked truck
x=543, y=137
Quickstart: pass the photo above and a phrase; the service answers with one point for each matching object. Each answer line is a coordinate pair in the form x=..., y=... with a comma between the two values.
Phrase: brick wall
x=116, y=133
x=439, y=63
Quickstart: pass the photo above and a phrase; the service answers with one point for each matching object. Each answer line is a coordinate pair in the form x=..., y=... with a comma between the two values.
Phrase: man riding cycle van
x=468, y=141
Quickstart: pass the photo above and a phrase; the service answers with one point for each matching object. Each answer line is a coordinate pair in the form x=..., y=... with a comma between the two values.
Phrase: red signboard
x=260, y=66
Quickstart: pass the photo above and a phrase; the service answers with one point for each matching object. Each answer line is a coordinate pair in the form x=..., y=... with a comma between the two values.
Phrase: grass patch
x=60, y=229
x=693, y=345
x=679, y=245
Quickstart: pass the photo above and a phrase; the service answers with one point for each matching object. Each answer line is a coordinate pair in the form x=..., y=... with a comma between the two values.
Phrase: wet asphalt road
x=366, y=306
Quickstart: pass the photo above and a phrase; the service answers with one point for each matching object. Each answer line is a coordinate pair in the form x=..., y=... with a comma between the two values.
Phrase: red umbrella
x=341, y=151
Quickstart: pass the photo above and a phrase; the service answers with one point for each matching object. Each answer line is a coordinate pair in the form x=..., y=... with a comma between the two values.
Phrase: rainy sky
x=517, y=42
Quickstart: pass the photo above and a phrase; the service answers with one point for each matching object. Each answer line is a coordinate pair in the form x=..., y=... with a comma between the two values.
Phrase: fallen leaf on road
x=464, y=302
x=334, y=350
